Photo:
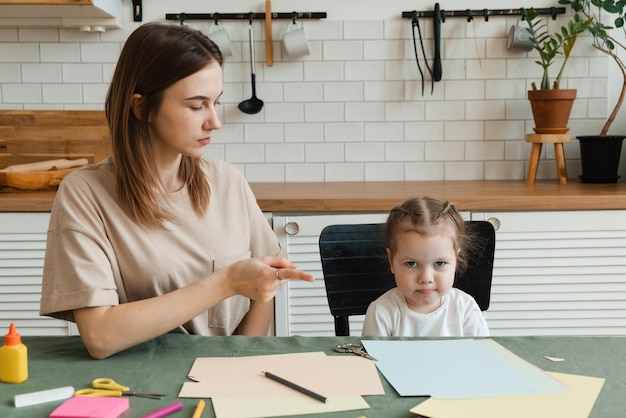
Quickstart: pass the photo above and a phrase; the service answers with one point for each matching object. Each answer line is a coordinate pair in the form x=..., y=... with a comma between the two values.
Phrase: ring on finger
x=278, y=275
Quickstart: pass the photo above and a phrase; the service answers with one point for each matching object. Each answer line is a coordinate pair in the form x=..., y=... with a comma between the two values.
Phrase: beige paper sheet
x=276, y=407
x=574, y=404
x=240, y=378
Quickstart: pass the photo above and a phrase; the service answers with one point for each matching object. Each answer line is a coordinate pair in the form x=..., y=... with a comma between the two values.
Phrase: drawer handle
x=292, y=228
x=495, y=222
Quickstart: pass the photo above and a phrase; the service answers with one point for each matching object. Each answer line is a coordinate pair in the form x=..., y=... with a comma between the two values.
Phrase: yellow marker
x=198, y=412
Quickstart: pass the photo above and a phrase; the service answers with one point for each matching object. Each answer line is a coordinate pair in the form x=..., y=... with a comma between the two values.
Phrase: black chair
x=356, y=270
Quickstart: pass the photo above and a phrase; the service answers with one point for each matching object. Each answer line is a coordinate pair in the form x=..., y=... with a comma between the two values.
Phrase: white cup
x=218, y=34
x=295, y=42
x=518, y=38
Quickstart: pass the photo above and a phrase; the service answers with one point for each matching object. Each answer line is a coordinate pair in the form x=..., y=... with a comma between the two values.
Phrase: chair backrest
x=356, y=270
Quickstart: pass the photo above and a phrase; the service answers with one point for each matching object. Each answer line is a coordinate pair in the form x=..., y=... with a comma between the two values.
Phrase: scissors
x=104, y=386
x=353, y=348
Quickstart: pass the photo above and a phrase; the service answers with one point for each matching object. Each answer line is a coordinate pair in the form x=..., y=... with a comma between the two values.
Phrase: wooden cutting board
x=38, y=135
x=28, y=136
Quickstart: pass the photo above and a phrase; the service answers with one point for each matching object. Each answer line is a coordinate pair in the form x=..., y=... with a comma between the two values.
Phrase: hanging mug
x=518, y=38
x=295, y=42
x=218, y=34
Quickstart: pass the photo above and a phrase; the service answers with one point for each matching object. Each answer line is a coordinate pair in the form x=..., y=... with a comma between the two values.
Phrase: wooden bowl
x=35, y=180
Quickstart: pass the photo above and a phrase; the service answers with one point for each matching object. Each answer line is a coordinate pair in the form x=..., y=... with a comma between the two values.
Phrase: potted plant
x=551, y=105
x=600, y=154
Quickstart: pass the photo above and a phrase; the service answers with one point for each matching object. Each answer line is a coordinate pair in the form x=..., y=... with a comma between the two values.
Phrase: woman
x=155, y=238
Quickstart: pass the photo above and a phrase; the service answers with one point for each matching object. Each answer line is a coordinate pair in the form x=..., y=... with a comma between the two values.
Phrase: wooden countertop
x=382, y=196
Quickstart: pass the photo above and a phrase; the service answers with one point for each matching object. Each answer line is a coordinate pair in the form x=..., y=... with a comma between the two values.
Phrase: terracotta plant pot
x=551, y=109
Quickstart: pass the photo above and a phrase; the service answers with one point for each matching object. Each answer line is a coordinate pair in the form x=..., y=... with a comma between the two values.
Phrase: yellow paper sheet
x=276, y=407
x=574, y=404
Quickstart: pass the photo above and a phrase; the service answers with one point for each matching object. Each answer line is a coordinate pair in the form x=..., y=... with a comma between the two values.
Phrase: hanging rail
x=243, y=16
x=486, y=13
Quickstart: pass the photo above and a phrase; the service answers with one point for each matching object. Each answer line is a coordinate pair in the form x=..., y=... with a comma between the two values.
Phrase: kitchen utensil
x=416, y=25
x=253, y=104
x=518, y=38
x=269, y=59
x=58, y=164
x=218, y=34
x=295, y=41
x=437, y=70
x=34, y=180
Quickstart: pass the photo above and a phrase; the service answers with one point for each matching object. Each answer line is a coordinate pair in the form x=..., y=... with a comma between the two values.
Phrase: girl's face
x=424, y=267
x=188, y=115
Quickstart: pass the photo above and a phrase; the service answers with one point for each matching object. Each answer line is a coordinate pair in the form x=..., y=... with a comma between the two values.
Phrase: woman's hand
x=260, y=278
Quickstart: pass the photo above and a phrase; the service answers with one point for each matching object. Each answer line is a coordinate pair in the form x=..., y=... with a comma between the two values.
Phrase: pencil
x=295, y=386
x=198, y=412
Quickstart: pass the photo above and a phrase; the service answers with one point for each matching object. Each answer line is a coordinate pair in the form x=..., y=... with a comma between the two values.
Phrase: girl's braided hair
x=429, y=216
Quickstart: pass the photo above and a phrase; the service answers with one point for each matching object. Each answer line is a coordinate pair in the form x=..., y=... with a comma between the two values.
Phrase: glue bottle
x=13, y=358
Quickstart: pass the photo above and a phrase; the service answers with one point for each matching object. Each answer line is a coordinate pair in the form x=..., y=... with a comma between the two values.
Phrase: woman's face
x=424, y=267
x=188, y=115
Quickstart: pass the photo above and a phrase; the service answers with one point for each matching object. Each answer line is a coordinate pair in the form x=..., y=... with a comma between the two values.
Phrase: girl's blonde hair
x=155, y=56
x=428, y=216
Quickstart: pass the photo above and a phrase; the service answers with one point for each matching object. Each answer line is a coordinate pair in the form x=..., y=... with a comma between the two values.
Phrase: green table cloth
x=161, y=365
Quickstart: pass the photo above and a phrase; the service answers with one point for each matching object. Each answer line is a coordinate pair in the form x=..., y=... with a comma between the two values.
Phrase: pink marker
x=163, y=412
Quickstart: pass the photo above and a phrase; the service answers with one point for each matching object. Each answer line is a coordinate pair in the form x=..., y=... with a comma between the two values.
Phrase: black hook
x=137, y=10
x=522, y=11
x=486, y=14
x=216, y=16
x=468, y=13
x=442, y=15
x=182, y=19
x=293, y=17
x=553, y=13
x=251, y=17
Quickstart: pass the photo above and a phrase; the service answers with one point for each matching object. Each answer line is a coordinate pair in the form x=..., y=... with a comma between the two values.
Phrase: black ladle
x=252, y=105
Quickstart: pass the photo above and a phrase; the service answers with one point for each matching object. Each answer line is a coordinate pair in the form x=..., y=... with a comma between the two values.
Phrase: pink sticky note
x=91, y=407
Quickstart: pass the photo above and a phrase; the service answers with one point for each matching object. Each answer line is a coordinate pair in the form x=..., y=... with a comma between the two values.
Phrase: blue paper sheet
x=458, y=369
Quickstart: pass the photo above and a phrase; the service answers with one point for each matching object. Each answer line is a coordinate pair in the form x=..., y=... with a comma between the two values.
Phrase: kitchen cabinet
x=553, y=274
x=22, y=247
x=559, y=273
x=87, y=15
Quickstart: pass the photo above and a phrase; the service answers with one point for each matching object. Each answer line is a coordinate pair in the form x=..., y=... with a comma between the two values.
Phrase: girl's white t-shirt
x=458, y=316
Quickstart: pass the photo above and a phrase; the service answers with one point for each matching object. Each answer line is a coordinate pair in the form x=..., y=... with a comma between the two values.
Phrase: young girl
x=426, y=246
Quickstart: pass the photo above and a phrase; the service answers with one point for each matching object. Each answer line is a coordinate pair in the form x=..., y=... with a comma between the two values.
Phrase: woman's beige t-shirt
x=97, y=256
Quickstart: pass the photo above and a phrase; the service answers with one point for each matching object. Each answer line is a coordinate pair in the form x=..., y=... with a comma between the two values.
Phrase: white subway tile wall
x=355, y=109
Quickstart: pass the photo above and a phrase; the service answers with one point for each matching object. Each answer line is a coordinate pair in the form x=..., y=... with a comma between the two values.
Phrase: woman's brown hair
x=155, y=56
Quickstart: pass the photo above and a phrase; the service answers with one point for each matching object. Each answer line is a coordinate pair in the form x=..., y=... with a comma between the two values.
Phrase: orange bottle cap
x=12, y=338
